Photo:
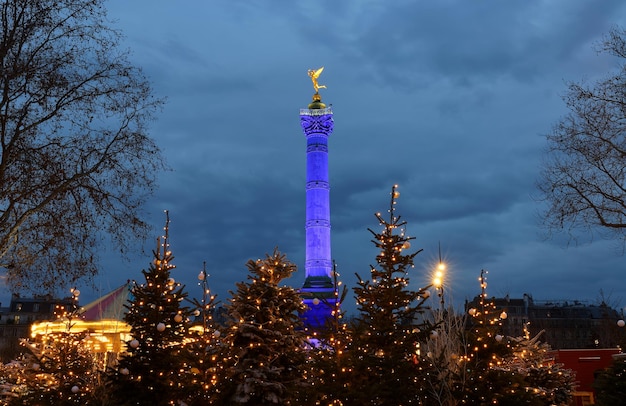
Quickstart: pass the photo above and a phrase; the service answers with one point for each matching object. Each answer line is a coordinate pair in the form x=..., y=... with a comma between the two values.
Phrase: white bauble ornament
x=472, y=311
x=201, y=276
x=406, y=245
x=171, y=281
x=426, y=294
x=503, y=315
x=498, y=337
x=76, y=292
x=134, y=343
x=160, y=327
x=124, y=371
x=216, y=333
x=178, y=318
x=196, y=313
x=36, y=367
x=316, y=301
x=434, y=334
x=621, y=323
x=75, y=389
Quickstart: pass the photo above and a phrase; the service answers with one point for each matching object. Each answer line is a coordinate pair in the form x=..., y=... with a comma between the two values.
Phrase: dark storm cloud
x=409, y=45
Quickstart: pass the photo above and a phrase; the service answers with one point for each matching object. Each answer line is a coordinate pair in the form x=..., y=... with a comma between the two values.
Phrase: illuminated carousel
x=100, y=323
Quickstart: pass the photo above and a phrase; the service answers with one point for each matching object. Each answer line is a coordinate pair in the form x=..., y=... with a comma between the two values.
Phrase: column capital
x=316, y=121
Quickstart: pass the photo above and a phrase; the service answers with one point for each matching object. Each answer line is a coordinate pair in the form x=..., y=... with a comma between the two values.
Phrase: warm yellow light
x=109, y=335
x=438, y=275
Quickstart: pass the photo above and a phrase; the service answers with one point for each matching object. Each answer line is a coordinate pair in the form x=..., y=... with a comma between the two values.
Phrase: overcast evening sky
x=449, y=99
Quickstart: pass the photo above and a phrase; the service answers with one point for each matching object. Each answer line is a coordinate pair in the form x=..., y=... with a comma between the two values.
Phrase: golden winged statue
x=314, y=74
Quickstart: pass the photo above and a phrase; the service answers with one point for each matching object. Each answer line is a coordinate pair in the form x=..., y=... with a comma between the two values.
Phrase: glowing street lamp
x=438, y=279
x=438, y=276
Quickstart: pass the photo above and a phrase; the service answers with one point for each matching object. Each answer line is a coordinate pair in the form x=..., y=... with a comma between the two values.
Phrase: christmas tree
x=150, y=372
x=202, y=348
x=385, y=352
x=547, y=381
x=58, y=369
x=264, y=344
x=610, y=384
x=482, y=378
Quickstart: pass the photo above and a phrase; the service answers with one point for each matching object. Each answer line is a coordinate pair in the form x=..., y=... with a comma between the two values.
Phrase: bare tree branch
x=76, y=160
x=583, y=179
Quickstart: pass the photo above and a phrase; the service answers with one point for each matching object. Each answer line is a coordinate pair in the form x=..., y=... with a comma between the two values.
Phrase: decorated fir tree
x=385, y=353
x=547, y=381
x=264, y=344
x=483, y=378
x=58, y=369
x=610, y=383
x=201, y=349
x=150, y=372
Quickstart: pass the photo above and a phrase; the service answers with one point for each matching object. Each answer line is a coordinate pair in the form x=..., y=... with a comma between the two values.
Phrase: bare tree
x=76, y=162
x=447, y=376
x=584, y=175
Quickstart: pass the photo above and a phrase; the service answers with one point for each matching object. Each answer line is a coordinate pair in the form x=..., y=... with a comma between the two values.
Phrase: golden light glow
x=103, y=335
x=438, y=275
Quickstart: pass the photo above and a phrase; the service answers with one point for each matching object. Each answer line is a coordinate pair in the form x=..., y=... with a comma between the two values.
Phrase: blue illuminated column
x=318, y=290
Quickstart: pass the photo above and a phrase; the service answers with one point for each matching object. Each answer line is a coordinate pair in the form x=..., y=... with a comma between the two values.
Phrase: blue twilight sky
x=449, y=99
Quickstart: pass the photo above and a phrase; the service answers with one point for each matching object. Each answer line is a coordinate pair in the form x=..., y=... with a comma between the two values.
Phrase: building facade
x=15, y=320
x=564, y=324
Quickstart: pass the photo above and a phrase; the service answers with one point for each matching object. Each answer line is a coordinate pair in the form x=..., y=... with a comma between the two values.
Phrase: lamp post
x=438, y=279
